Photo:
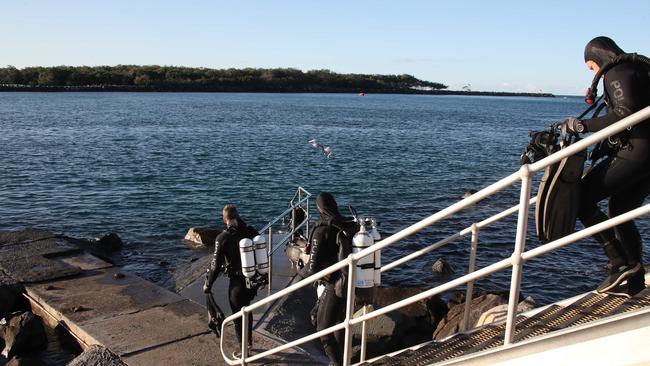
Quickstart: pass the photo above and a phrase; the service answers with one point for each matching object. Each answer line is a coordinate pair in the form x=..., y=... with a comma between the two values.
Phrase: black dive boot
x=618, y=275
x=618, y=269
x=636, y=283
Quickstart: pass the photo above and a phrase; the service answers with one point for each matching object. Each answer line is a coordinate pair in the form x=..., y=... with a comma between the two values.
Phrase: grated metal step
x=588, y=308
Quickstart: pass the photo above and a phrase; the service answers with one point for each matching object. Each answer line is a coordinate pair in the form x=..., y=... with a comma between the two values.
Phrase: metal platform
x=589, y=308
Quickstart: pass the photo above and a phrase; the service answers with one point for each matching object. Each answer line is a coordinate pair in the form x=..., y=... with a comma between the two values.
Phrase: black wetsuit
x=624, y=176
x=227, y=258
x=324, y=253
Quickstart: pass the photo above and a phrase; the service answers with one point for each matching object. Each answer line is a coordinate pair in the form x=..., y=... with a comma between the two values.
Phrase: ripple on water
x=148, y=166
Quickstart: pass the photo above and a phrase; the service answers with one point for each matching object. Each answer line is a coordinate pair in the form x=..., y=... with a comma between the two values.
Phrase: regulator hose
x=625, y=57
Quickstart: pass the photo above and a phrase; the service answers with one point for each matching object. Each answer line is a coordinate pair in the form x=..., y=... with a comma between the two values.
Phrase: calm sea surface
x=149, y=166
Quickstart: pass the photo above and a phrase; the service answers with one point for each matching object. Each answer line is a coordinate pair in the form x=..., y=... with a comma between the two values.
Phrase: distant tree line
x=173, y=78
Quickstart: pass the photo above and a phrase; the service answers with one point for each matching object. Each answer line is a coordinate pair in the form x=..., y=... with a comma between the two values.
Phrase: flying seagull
x=326, y=150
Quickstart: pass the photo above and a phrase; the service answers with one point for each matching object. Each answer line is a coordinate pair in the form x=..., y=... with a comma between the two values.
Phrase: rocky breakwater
x=485, y=308
x=291, y=319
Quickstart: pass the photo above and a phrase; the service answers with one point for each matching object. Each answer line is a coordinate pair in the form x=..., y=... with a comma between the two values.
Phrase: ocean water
x=150, y=165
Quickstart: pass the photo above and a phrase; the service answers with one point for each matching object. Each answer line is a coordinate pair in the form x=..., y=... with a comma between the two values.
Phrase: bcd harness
x=620, y=140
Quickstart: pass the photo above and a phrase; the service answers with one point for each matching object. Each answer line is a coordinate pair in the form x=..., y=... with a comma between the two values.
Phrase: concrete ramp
x=138, y=320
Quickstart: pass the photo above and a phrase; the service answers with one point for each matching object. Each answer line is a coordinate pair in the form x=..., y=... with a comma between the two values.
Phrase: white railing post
x=470, y=285
x=308, y=218
x=349, y=311
x=244, y=336
x=520, y=244
x=270, y=273
x=364, y=337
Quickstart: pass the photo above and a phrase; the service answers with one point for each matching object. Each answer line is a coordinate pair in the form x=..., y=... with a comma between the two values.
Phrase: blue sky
x=492, y=45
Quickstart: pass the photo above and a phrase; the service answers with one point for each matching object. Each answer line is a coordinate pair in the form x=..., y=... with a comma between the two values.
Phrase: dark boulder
x=384, y=332
x=452, y=322
x=401, y=328
x=442, y=267
x=10, y=291
x=109, y=243
x=8, y=303
x=22, y=332
x=97, y=356
x=437, y=309
x=25, y=361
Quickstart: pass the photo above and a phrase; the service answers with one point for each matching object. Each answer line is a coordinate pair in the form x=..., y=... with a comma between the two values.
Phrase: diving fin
x=561, y=200
x=540, y=203
x=215, y=315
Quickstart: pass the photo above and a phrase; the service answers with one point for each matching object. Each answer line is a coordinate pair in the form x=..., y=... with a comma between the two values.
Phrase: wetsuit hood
x=328, y=208
x=236, y=224
x=602, y=50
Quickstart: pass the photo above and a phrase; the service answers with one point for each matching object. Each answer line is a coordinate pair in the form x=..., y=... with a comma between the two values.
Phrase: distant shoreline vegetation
x=185, y=79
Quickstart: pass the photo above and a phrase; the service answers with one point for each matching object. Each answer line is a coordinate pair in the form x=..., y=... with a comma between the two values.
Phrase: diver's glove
x=572, y=126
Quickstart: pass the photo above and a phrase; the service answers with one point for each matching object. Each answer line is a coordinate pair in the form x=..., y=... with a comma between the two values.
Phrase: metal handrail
x=449, y=239
x=269, y=227
x=288, y=210
x=515, y=261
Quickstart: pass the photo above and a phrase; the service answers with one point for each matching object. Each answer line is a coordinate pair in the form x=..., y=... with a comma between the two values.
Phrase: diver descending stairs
x=620, y=169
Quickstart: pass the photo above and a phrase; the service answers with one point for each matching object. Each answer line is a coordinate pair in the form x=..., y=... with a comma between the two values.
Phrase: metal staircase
x=587, y=309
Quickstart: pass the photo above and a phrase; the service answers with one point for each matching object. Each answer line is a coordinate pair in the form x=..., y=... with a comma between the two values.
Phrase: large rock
x=9, y=299
x=97, y=356
x=22, y=333
x=442, y=267
x=25, y=361
x=401, y=328
x=384, y=332
x=202, y=236
x=9, y=294
x=499, y=313
x=452, y=322
x=109, y=243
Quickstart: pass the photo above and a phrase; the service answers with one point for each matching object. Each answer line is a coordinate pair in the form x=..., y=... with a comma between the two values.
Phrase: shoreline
x=120, y=88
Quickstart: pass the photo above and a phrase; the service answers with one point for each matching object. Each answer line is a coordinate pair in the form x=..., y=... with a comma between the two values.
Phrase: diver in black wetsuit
x=227, y=259
x=624, y=176
x=324, y=253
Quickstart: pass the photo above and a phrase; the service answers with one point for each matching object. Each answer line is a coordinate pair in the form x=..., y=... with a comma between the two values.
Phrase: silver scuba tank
x=261, y=255
x=247, y=254
x=365, y=277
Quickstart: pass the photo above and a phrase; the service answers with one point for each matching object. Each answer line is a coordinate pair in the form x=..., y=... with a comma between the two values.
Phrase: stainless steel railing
x=300, y=199
x=516, y=260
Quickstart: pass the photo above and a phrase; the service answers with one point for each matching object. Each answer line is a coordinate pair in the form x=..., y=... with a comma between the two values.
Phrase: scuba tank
x=376, y=236
x=261, y=255
x=365, y=276
x=247, y=254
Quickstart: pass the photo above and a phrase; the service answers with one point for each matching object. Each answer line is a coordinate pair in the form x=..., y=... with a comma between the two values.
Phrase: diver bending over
x=624, y=176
